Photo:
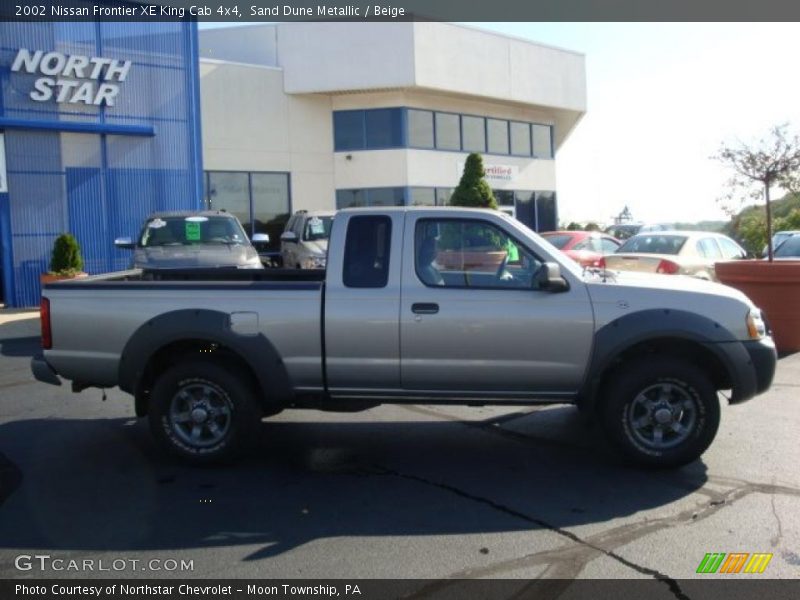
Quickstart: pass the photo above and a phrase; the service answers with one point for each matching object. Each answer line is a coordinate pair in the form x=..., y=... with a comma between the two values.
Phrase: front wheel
x=203, y=412
x=661, y=412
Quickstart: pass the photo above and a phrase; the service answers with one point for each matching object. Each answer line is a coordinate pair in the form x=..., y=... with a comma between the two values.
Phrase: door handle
x=425, y=308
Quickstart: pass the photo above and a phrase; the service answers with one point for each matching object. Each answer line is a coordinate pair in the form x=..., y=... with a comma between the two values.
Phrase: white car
x=304, y=241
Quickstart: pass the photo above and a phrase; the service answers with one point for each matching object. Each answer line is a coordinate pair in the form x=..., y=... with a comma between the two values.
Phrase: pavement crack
x=671, y=583
x=779, y=536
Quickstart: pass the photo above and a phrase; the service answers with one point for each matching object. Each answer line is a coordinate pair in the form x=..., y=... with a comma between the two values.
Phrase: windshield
x=558, y=240
x=179, y=231
x=790, y=247
x=654, y=244
x=317, y=228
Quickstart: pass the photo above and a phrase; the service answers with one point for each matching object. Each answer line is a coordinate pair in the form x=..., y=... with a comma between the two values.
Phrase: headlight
x=755, y=325
x=314, y=262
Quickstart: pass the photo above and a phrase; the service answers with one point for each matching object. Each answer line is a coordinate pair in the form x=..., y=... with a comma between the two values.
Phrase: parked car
x=179, y=240
x=623, y=231
x=675, y=253
x=584, y=247
x=206, y=359
x=777, y=239
x=304, y=242
x=789, y=248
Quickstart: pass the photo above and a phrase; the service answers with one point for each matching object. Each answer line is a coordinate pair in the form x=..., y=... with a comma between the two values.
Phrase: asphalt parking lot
x=410, y=492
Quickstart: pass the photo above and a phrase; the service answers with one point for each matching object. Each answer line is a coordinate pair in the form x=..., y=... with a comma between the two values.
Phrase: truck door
x=473, y=321
x=362, y=304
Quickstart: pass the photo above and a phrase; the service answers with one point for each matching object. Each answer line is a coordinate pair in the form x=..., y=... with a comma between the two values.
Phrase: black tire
x=666, y=394
x=225, y=411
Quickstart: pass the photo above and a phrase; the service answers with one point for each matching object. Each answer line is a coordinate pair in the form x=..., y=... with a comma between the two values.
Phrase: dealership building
x=101, y=124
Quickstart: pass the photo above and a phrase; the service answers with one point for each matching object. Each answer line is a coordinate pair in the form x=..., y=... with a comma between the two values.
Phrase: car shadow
x=20, y=346
x=102, y=485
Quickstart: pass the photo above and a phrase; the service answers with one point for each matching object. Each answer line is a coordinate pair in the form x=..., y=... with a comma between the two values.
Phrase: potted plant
x=66, y=261
x=476, y=250
x=772, y=286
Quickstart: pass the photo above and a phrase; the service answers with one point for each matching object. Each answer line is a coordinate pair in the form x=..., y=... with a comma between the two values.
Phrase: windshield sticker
x=192, y=231
x=196, y=219
x=316, y=226
x=157, y=224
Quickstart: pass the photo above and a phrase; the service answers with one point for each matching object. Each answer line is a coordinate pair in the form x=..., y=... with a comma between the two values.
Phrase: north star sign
x=72, y=79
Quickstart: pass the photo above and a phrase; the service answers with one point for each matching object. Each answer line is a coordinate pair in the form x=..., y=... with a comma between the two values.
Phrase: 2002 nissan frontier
x=417, y=305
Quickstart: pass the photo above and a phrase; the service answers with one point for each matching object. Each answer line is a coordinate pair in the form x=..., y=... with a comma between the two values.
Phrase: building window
x=473, y=132
x=384, y=128
x=542, y=141
x=546, y=213
x=394, y=196
x=504, y=197
x=420, y=128
x=348, y=130
x=497, y=136
x=520, y=139
x=448, y=132
x=422, y=196
x=261, y=201
x=443, y=196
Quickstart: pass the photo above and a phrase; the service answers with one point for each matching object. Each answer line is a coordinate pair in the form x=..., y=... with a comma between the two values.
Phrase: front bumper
x=751, y=365
x=764, y=359
x=42, y=371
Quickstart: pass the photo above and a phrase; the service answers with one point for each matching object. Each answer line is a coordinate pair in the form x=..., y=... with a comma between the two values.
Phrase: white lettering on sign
x=495, y=172
x=101, y=77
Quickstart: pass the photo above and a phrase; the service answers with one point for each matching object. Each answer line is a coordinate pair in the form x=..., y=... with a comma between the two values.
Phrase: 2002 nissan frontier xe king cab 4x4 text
x=417, y=305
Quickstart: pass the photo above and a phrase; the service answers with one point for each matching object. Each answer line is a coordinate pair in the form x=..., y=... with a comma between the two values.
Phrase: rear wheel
x=661, y=412
x=203, y=412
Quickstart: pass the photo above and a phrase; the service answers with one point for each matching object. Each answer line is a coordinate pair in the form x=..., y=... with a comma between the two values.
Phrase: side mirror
x=288, y=236
x=260, y=238
x=124, y=243
x=548, y=278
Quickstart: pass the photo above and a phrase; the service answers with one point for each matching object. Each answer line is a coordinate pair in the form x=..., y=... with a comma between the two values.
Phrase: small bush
x=66, y=259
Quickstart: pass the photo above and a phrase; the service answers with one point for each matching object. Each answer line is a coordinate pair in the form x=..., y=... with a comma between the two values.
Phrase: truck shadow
x=101, y=485
x=20, y=346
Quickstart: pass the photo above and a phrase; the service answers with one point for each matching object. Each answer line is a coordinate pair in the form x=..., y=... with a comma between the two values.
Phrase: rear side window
x=366, y=252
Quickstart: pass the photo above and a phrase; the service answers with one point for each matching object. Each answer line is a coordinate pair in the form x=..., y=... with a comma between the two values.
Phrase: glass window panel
x=473, y=130
x=348, y=130
x=386, y=196
x=546, y=213
x=443, y=196
x=470, y=253
x=504, y=197
x=270, y=207
x=366, y=252
x=384, y=128
x=422, y=196
x=497, y=142
x=420, y=128
x=230, y=191
x=542, y=142
x=350, y=198
x=520, y=139
x=526, y=208
x=448, y=135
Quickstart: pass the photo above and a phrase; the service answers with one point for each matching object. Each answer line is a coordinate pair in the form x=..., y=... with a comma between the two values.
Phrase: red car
x=587, y=248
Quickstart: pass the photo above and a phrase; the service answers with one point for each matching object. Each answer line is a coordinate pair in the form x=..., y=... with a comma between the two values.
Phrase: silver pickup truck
x=417, y=305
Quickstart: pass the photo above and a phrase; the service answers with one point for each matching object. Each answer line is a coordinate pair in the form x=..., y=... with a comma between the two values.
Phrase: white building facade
x=329, y=115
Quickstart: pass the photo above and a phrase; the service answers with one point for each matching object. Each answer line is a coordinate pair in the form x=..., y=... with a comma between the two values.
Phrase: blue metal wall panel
x=97, y=185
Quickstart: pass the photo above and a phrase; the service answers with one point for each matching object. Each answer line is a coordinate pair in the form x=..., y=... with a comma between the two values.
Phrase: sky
x=662, y=98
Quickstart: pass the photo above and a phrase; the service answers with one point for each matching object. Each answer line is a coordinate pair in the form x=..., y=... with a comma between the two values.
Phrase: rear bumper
x=752, y=368
x=43, y=372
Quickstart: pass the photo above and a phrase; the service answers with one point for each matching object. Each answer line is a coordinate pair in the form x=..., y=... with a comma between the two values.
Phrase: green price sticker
x=192, y=231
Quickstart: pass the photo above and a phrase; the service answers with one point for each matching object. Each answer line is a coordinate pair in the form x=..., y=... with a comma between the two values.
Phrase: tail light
x=668, y=267
x=600, y=263
x=44, y=314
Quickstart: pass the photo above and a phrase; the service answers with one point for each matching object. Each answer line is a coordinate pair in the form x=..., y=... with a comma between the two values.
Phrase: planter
x=52, y=277
x=775, y=288
x=471, y=260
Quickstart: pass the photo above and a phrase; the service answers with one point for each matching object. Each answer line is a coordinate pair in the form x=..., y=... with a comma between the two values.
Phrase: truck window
x=366, y=252
x=470, y=254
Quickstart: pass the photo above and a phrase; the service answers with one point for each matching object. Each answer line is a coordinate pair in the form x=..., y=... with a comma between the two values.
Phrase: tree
x=66, y=259
x=774, y=160
x=573, y=226
x=473, y=190
x=592, y=226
